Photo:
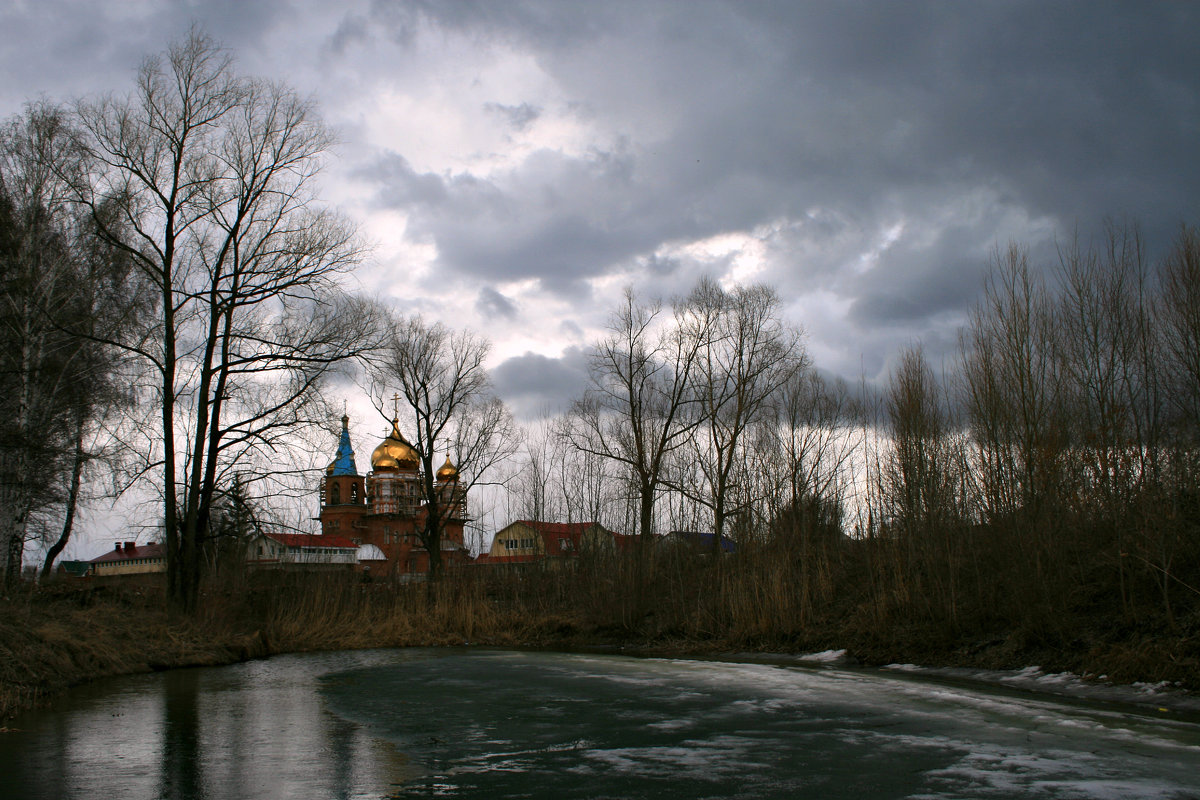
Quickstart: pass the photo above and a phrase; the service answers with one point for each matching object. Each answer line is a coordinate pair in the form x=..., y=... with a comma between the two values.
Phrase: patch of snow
x=1162, y=696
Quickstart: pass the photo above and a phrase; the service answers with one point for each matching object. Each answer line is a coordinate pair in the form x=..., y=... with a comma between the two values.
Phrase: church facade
x=387, y=508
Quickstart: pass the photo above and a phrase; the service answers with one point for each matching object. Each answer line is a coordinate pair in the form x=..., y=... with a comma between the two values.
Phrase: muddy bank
x=61, y=635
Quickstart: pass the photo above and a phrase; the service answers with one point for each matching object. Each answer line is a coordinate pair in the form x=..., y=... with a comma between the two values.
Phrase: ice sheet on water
x=989, y=771
x=824, y=657
x=1159, y=696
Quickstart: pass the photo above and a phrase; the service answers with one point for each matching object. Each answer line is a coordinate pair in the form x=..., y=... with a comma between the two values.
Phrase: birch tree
x=60, y=289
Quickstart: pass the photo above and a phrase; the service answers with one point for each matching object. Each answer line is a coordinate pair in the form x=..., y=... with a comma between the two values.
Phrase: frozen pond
x=480, y=723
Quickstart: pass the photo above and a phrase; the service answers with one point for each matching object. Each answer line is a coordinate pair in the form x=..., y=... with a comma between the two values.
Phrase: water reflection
x=463, y=723
x=247, y=731
x=181, y=756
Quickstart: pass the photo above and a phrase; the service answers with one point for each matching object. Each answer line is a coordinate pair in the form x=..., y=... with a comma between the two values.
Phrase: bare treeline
x=1058, y=469
x=1046, y=476
x=185, y=211
x=704, y=414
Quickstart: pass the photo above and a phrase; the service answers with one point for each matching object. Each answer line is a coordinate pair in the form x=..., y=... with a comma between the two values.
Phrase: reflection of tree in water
x=357, y=759
x=181, y=736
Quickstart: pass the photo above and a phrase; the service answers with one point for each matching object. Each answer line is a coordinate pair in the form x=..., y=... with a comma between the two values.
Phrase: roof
x=703, y=540
x=311, y=540
x=131, y=551
x=343, y=462
x=557, y=528
x=560, y=538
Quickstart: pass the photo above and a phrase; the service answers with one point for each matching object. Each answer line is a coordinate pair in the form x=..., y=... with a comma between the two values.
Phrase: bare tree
x=1108, y=355
x=1172, y=540
x=814, y=423
x=445, y=387
x=639, y=409
x=746, y=353
x=61, y=287
x=923, y=481
x=1012, y=390
x=918, y=481
x=37, y=271
x=584, y=481
x=534, y=488
x=1180, y=318
x=212, y=174
x=811, y=449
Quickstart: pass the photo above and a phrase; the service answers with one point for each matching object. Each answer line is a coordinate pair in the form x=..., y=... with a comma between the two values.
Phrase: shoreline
x=60, y=636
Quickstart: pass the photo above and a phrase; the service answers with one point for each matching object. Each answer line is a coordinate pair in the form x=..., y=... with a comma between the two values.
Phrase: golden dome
x=394, y=452
x=447, y=472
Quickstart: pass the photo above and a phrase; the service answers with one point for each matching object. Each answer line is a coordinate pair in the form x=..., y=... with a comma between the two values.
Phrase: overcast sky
x=517, y=164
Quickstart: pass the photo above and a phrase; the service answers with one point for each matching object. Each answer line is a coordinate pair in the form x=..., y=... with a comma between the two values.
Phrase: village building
x=302, y=551
x=382, y=512
x=129, y=558
x=74, y=568
x=555, y=543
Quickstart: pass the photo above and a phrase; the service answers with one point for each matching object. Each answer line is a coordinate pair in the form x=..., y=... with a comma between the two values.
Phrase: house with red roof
x=529, y=541
x=130, y=558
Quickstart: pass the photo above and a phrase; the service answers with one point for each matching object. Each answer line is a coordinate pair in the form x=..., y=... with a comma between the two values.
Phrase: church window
x=354, y=493
x=335, y=495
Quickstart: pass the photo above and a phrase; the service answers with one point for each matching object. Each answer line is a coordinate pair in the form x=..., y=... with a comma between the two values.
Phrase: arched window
x=335, y=495
x=354, y=493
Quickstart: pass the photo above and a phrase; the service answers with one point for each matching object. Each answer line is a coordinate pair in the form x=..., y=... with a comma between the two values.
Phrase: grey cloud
x=534, y=385
x=657, y=265
x=400, y=185
x=491, y=303
x=559, y=220
x=517, y=117
x=973, y=123
x=352, y=31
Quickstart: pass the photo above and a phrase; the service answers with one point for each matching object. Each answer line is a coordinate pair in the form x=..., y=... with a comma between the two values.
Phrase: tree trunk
x=72, y=497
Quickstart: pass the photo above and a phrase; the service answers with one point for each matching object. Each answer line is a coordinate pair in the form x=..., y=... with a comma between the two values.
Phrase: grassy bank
x=59, y=635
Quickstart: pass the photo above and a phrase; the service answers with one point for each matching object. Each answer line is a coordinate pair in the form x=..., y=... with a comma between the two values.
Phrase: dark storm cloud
x=1066, y=112
x=558, y=219
x=534, y=385
x=819, y=127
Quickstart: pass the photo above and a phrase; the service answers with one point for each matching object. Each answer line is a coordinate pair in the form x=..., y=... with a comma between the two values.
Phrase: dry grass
x=59, y=635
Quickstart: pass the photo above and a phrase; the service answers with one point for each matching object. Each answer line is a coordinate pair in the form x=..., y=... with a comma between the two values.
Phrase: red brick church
x=386, y=507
